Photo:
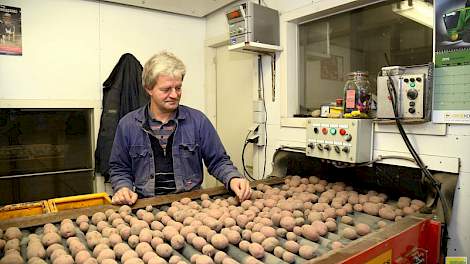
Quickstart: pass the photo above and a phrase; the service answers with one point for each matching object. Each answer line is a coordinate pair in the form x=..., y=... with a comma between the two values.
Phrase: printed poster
x=10, y=30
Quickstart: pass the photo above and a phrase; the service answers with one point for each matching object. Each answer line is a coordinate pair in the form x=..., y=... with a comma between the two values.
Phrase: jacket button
x=151, y=176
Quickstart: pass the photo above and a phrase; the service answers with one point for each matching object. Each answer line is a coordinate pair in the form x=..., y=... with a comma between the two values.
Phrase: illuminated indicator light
x=342, y=132
x=333, y=131
x=412, y=84
x=233, y=14
x=324, y=131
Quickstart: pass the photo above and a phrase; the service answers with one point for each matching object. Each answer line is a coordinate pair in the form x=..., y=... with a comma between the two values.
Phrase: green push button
x=333, y=131
x=412, y=84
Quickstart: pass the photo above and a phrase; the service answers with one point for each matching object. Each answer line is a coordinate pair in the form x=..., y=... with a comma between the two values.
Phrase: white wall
x=443, y=147
x=71, y=46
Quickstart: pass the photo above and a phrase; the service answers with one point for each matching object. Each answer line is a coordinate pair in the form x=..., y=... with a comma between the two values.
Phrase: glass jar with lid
x=357, y=95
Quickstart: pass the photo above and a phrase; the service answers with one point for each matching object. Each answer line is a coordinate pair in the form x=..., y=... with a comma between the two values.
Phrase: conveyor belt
x=323, y=252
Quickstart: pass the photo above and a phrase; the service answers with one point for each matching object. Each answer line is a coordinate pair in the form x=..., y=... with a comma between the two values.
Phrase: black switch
x=411, y=110
x=412, y=104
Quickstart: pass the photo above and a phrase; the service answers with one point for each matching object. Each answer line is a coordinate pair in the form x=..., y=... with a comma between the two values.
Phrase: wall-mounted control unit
x=413, y=87
x=252, y=23
x=344, y=139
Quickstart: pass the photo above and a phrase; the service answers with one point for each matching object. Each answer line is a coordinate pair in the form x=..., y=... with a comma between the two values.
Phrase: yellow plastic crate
x=24, y=209
x=78, y=201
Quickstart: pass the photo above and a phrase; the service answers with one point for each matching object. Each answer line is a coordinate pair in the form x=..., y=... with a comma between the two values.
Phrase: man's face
x=166, y=93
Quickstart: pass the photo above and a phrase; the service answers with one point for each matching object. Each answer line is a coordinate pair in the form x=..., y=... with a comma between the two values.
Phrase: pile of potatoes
x=274, y=221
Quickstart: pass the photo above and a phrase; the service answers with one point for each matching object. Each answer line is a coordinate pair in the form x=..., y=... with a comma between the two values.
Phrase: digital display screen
x=234, y=14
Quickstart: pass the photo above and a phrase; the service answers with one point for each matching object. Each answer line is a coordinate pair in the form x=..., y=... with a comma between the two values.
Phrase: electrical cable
x=261, y=83
x=245, y=171
x=426, y=173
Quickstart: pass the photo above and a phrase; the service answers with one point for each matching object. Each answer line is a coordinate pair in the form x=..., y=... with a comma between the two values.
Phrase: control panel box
x=413, y=87
x=250, y=22
x=346, y=140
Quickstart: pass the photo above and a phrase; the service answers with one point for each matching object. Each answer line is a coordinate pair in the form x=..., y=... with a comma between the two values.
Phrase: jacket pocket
x=140, y=164
x=189, y=150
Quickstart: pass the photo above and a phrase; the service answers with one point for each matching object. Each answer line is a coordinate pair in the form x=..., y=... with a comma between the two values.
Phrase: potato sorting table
x=288, y=220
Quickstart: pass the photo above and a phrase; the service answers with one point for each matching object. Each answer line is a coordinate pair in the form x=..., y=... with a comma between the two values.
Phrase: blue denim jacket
x=132, y=165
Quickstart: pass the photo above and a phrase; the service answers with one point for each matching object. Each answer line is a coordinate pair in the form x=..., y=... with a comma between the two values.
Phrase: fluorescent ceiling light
x=420, y=11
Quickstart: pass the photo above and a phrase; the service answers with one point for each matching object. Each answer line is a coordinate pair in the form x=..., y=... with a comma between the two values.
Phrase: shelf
x=254, y=47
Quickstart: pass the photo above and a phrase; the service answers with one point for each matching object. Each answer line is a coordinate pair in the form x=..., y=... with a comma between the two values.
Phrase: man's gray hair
x=162, y=63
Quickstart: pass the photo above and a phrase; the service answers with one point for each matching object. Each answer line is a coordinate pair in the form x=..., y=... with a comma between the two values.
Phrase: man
x=159, y=148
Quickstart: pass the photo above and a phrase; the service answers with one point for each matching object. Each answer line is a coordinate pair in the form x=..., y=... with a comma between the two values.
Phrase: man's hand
x=124, y=196
x=241, y=188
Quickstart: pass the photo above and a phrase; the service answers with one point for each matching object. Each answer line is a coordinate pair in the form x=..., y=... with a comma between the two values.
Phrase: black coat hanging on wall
x=122, y=93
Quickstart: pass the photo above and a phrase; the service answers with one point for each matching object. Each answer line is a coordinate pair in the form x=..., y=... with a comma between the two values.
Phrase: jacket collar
x=142, y=113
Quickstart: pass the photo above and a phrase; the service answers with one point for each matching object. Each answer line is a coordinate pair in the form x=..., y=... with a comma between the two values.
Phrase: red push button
x=324, y=130
x=342, y=132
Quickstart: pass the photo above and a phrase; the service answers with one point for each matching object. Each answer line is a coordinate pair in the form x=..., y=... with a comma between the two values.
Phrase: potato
x=12, y=233
x=268, y=231
x=169, y=232
x=244, y=245
x=358, y=207
x=336, y=245
x=12, y=258
x=50, y=238
x=202, y=259
x=256, y=250
x=76, y=247
x=143, y=248
x=288, y=257
x=133, y=241
x=269, y=244
x=106, y=254
x=371, y=208
x=362, y=229
x=156, y=225
x=177, y=242
x=145, y=235
x=129, y=254
x=125, y=232
x=67, y=230
x=331, y=226
x=242, y=220
x=347, y=220
x=233, y=237
x=381, y=224
x=91, y=261
x=310, y=232
x=149, y=255
x=81, y=219
x=98, y=217
x=219, y=257
x=12, y=244
x=408, y=210
x=52, y=248
x=98, y=248
x=198, y=242
x=35, y=249
x=403, y=202
x=278, y=251
x=387, y=213
x=164, y=250
x=36, y=260
x=208, y=250
x=139, y=261
x=108, y=261
x=156, y=241
x=287, y=223
x=349, y=233
x=57, y=253
x=292, y=246
x=81, y=256
x=219, y=241
x=307, y=252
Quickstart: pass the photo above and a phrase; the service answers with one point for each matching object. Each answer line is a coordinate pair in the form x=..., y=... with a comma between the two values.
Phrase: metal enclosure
x=250, y=22
x=346, y=140
x=413, y=86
